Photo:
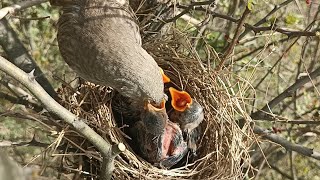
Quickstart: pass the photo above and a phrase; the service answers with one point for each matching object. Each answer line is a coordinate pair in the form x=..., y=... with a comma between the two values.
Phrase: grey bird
x=159, y=140
x=100, y=41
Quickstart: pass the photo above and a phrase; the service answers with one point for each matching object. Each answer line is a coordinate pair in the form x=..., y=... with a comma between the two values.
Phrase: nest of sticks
x=223, y=148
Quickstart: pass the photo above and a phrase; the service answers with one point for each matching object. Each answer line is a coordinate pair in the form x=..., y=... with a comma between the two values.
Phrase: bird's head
x=154, y=117
x=181, y=100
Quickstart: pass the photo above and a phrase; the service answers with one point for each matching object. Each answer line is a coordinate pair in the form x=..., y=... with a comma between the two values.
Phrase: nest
x=223, y=148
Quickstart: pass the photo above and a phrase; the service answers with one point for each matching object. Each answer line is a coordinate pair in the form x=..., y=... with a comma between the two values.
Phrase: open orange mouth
x=180, y=99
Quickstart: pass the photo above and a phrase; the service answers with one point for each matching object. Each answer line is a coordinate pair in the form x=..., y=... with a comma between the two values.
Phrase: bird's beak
x=181, y=100
x=165, y=78
x=150, y=107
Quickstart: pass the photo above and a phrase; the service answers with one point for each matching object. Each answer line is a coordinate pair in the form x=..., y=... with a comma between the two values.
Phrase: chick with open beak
x=188, y=114
x=160, y=141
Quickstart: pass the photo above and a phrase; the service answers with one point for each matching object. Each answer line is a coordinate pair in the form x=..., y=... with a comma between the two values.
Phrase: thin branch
x=278, y=119
x=234, y=41
x=21, y=100
x=286, y=144
x=260, y=114
x=265, y=19
x=280, y=172
x=19, y=6
x=61, y=2
x=260, y=49
x=277, y=62
x=255, y=28
x=18, y=91
x=185, y=11
x=289, y=33
x=19, y=55
x=28, y=80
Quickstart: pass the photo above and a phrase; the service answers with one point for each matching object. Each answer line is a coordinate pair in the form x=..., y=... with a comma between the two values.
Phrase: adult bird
x=159, y=140
x=100, y=41
x=188, y=113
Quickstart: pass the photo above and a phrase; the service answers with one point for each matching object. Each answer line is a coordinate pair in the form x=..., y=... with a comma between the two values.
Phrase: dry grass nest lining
x=223, y=147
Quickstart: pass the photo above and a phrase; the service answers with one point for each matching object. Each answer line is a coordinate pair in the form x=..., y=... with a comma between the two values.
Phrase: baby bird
x=188, y=114
x=159, y=140
x=174, y=148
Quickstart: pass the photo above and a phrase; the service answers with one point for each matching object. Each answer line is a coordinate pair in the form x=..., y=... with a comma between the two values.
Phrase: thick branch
x=51, y=105
x=107, y=166
x=286, y=144
x=19, y=55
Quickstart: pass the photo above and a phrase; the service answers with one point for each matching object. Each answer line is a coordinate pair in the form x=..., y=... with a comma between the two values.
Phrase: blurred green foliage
x=252, y=60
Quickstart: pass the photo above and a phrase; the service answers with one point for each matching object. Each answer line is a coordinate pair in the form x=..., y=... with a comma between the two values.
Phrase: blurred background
x=279, y=46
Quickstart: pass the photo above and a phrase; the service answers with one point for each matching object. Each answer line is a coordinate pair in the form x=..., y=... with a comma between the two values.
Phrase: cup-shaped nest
x=223, y=145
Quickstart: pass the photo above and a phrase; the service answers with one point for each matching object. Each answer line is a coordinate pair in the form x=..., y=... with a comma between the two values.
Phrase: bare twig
x=234, y=41
x=260, y=49
x=28, y=80
x=19, y=6
x=255, y=28
x=265, y=19
x=286, y=144
x=107, y=166
x=21, y=100
x=277, y=62
x=19, y=55
x=278, y=119
x=280, y=172
x=18, y=91
x=185, y=11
